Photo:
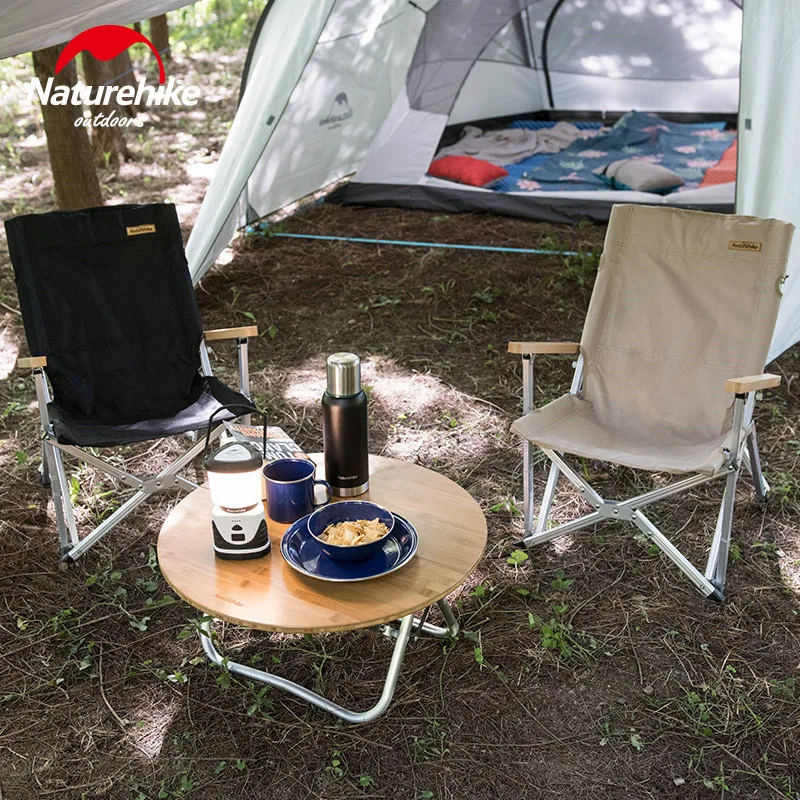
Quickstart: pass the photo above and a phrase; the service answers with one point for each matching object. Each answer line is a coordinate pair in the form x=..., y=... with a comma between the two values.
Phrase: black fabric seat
x=106, y=296
x=213, y=396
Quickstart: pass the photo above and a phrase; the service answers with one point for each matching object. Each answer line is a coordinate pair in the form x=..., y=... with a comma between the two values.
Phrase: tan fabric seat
x=683, y=301
x=570, y=425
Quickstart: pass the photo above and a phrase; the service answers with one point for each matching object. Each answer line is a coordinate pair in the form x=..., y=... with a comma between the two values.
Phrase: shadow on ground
x=601, y=672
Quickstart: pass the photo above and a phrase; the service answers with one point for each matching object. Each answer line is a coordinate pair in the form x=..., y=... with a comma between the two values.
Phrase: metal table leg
x=450, y=630
x=313, y=698
x=401, y=636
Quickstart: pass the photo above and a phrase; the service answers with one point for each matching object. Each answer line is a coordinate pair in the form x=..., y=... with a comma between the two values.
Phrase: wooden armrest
x=752, y=383
x=542, y=348
x=231, y=333
x=32, y=362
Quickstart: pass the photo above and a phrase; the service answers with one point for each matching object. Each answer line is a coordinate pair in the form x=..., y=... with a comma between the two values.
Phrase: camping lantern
x=237, y=517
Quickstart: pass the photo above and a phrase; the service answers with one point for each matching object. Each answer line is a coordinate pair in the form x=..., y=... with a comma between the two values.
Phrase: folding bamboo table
x=267, y=594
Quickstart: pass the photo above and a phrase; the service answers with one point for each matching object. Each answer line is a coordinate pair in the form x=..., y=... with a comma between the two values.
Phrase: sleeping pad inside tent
x=687, y=164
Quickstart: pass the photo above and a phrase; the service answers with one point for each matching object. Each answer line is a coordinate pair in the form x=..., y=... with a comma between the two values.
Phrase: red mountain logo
x=105, y=42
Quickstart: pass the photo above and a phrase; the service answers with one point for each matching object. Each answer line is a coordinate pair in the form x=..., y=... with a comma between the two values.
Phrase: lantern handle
x=248, y=410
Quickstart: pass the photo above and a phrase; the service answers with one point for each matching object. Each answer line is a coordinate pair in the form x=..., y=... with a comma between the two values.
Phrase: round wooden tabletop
x=266, y=593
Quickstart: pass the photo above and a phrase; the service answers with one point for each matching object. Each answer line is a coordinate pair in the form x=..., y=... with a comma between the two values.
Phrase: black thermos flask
x=344, y=427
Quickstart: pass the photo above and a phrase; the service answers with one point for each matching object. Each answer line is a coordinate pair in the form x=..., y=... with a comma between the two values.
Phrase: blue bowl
x=349, y=511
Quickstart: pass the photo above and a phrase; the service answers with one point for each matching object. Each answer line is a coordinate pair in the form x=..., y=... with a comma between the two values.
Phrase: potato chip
x=354, y=532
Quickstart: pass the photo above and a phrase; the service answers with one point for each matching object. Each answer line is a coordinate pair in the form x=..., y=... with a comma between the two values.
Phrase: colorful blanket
x=687, y=149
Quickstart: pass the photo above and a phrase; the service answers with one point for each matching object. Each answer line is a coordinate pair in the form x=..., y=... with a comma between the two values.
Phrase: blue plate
x=304, y=554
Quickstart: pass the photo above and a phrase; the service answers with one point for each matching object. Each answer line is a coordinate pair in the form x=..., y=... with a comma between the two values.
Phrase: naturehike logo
x=137, y=230
x=748, y=247
x=106, y=42
x=340, y=111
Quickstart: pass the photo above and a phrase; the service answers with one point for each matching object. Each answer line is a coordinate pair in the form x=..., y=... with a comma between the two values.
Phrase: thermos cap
x=344, y=374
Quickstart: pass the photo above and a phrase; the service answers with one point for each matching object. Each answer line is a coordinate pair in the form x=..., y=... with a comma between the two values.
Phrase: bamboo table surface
x=266, y=593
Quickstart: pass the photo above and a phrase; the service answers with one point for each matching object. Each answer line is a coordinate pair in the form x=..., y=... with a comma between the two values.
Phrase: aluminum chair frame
x=743, y=454
x=52, y=471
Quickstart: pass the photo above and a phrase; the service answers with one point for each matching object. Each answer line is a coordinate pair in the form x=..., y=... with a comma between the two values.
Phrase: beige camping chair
x=684, y=305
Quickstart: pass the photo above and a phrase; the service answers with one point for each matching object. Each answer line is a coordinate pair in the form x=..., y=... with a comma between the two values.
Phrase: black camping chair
x=111, y=317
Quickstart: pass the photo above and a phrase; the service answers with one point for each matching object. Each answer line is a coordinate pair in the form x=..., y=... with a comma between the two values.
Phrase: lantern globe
x=234, y=476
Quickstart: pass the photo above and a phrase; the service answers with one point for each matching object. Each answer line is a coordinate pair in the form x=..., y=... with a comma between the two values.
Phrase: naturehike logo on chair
x=137, y=230
x=748, y=247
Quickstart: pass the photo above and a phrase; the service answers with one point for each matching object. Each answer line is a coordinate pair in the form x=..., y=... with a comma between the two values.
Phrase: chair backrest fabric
x=105, y=294
x=683, y=301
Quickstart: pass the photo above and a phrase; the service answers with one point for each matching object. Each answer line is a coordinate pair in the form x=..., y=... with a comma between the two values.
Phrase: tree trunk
x=159, y=36
x=108, y=143
x=74, y=176
x=124, y=74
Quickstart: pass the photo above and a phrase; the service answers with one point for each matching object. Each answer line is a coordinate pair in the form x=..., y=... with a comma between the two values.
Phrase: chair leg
x=166, y=479
x=702, y=583
x=754, y=462
x=528, y=387
x=56, y=492
x=59, y=488
x=44, y=469
x=527, y=487
x=717, y=565
x=244, y=374
x=547, y=498
x=562, y=530
x=80, y=547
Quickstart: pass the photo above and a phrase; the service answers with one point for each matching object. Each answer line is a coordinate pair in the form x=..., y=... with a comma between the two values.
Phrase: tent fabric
x=560, y=207
x=676, y=310
x=27, y=25
x=639, y=40
x=322, y=74
x=283, y=51
x=345, y=88
x=769, y=172
x=449, y=45
x=448, y=80
x=593, y=56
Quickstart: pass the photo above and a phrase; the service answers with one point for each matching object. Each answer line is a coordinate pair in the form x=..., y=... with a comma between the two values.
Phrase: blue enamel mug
x=290, y=489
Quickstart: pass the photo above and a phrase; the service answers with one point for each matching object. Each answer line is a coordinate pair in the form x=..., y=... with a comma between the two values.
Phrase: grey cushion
x=639, y=176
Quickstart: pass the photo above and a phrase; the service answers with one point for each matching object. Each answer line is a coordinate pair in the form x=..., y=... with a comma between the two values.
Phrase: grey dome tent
x=408, y=70
x=365, y=89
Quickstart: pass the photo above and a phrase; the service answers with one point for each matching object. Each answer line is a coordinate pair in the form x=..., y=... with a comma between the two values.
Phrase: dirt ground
x=591, y=669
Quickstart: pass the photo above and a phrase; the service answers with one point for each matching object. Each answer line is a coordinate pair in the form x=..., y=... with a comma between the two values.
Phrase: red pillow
x=466, y=169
